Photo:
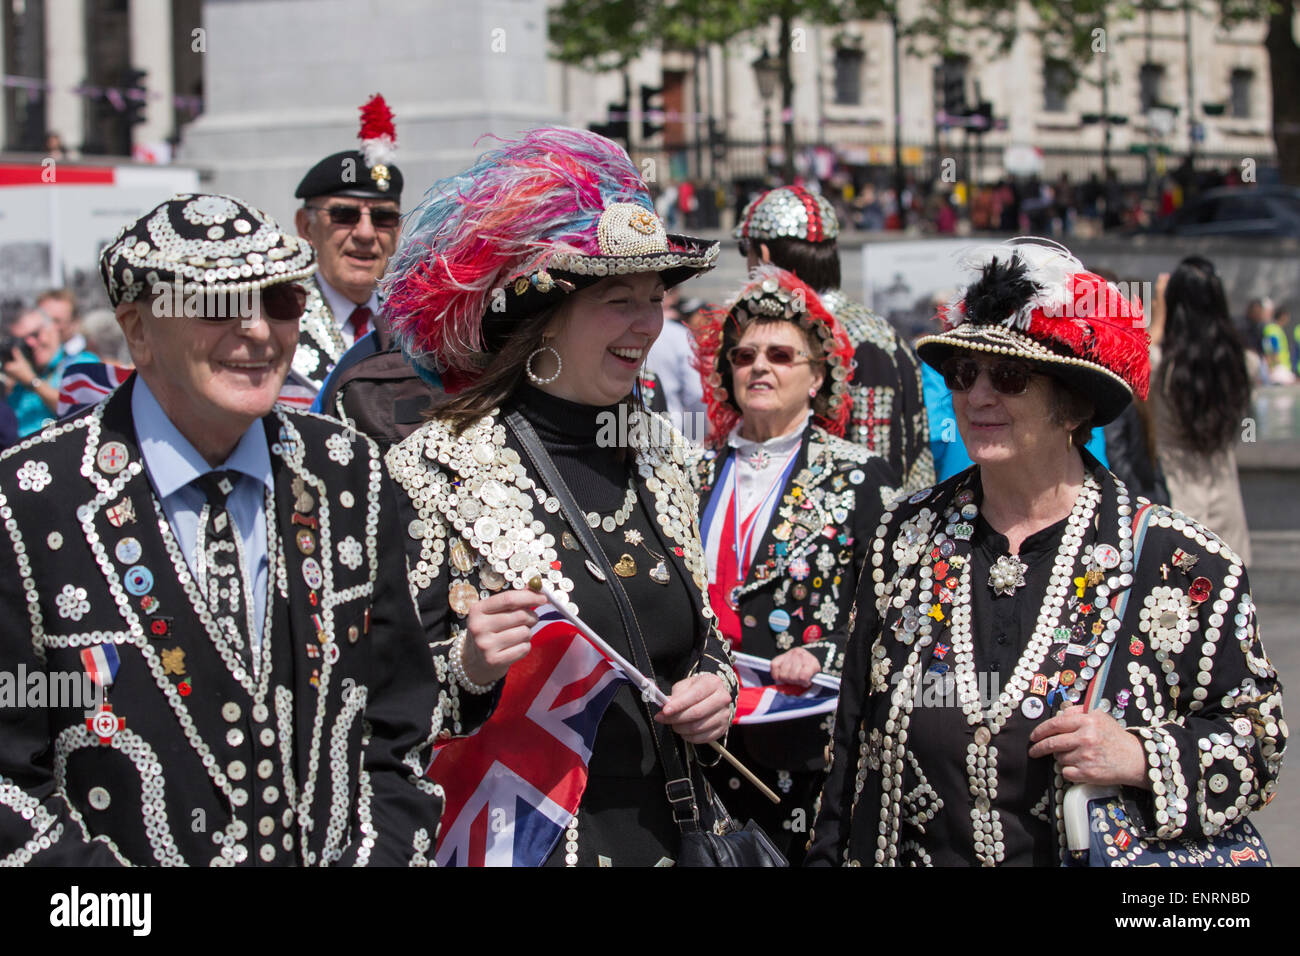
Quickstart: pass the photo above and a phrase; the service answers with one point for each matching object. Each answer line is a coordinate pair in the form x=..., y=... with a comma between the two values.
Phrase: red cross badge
x=104, y=724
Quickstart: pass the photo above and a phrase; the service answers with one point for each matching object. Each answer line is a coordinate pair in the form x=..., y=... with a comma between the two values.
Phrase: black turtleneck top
x=624, y=813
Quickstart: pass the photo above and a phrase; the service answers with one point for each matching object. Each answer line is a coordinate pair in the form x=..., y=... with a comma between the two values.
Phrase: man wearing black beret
x=351, y=216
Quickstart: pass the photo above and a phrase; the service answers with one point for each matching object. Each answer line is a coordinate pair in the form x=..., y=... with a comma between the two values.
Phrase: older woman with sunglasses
x=1027, y=625
x=787, y=507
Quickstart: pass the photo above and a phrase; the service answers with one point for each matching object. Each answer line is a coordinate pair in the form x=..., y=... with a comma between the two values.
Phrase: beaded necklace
x=952, y=546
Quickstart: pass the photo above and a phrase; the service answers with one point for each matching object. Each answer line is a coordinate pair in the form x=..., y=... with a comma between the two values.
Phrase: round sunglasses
x=1008, y=377
x=742, y=356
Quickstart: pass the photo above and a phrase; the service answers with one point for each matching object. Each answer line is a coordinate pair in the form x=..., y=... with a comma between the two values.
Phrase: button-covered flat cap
x=789, y=212
x=367, y=172
x=202, y=240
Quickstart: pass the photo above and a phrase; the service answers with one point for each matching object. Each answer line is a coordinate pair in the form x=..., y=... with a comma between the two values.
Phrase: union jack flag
x=89, y=383
x=762, y=701
x=513, y=786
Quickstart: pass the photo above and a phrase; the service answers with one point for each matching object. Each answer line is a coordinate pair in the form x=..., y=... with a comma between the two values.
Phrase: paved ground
x=1279, y=822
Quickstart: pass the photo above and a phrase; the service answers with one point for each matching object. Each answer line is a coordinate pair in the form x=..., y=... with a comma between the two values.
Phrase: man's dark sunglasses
x=282, y=302
x=1007, y=377
x=351, y=215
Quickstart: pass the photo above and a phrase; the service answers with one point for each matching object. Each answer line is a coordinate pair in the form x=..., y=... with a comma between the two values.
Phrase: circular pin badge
x=799, y=592
x=128, y=550
x=778, y=621
x=750, y=621
x=1200, y=590
x=799, y=569
x=857, y=477
x=947, y=548
x=969, y=511
x=311, y=573
x=965, y=496
x=812, y=633
x=138, y=580
x=1106, y=556
x=1033, y=707
x=306, y=541
x=112, y=457
x=1067, y=678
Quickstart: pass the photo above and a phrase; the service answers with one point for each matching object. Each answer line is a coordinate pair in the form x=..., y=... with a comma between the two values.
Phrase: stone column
x=65, y=68
x=151, y=51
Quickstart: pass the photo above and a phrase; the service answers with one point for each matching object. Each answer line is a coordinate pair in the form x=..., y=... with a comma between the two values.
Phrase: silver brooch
x=1007, y=574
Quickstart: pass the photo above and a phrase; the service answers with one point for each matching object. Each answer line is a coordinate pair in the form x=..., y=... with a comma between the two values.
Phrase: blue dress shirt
x=173, y=465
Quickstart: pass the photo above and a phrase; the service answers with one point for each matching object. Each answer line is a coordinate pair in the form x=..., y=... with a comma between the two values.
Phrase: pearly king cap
x=772, y=294
x=789, y=212
x=531, y=221
x=1037, y=302
x=202, y=240
x=368, y=172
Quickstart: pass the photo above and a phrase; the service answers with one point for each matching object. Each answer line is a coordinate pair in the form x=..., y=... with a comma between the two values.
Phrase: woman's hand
x=699, y=708
x=795, y=666
x=1091, y=747
x=499, y=630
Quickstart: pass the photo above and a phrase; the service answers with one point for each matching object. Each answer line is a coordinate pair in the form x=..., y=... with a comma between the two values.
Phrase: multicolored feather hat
x=1037, y=302
x=772, y=295
x=528, y=223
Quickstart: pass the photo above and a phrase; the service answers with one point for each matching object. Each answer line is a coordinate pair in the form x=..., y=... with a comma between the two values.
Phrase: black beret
x=346, y=174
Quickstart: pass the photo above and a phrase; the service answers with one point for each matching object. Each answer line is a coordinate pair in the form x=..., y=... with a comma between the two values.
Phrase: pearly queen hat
x=789, y=212
x=528, y=223
x=202, y=241
x=1036, y=302
x=772, y=294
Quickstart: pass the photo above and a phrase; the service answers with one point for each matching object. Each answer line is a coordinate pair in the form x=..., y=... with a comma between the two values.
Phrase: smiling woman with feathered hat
x=534, y=282
x=1029, y=626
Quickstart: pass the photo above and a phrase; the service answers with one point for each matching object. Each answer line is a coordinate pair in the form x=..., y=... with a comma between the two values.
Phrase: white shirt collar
x=779, y=445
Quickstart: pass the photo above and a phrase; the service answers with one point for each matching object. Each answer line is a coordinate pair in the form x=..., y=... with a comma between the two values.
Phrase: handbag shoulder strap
x=679, y=788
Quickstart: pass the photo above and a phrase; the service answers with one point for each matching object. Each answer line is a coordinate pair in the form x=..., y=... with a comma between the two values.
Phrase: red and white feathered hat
x=771, y=295
x=1037, y=302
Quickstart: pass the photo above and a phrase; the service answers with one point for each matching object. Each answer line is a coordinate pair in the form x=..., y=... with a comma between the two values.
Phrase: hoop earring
x=533, y=376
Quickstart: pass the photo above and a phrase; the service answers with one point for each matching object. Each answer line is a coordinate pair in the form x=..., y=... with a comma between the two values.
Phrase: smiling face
x=602, y=334
x=352, y=258
x=773, y=398
x=214, y=379
x=1001, y=429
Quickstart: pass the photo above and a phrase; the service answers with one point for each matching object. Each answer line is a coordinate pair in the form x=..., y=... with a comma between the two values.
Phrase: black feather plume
x=1001, y=291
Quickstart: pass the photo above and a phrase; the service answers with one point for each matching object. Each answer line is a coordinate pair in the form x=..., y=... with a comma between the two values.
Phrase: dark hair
x=1066, y=405
x=502, y=375
x=732, y=333
x=1203, y=369
x=816, y=263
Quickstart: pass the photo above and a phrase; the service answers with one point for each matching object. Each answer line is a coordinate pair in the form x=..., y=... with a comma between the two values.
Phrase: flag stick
x=649, y=689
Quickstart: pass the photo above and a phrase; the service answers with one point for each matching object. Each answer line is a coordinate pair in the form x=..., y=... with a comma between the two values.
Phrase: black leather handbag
x=704, y=843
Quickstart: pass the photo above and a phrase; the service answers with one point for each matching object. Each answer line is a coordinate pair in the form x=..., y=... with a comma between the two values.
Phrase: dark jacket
x=870, y=803
x=806, y=568
x=311, y=761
